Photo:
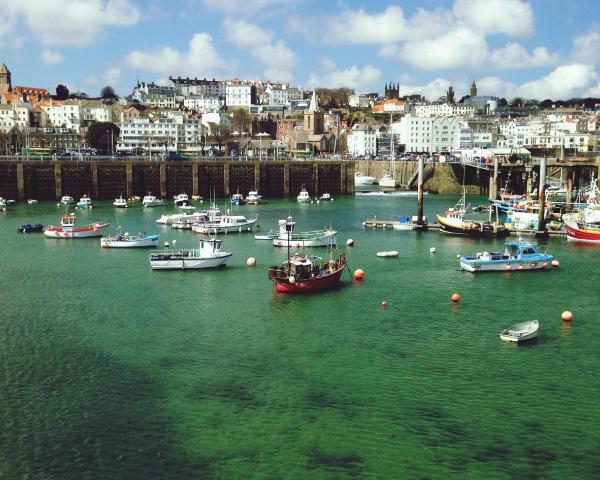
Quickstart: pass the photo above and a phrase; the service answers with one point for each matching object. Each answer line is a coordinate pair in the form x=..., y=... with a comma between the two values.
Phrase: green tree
x=99, y=136
x=108, y=93
x=62, y=92
x=241, y=120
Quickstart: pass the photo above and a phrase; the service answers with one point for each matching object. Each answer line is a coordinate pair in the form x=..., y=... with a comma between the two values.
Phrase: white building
x=276, y=95
x=240, y=95
x=74, y=114
x=11, y=116
x=203, y=104
x=444, y=110
x=429, y=134
x=362, y=140
x=142, y=134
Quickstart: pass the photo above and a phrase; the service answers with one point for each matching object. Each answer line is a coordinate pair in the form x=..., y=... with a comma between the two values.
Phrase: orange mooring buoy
x=455, y=297
x=359, y=274
x=383, y=304
x=567, y=316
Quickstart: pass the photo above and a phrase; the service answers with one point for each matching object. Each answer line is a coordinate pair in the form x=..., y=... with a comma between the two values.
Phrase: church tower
x=5, y=81
x=473, y=91
x=313, y=117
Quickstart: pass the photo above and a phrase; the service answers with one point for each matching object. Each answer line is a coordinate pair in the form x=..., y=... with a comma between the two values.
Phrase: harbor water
x=113, y=371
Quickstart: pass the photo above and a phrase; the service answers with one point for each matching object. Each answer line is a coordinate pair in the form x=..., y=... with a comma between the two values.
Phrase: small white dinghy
x=390, y=253
x=520, y=332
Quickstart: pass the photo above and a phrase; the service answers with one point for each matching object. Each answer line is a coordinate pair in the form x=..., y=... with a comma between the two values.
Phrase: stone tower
x=450, y=95
x=5, y=80
x=473, y=90
x=391, y=91
x=313, y=117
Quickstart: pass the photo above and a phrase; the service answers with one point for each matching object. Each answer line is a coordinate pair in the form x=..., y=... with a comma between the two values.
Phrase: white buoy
x=292, y=279
x=167, y=244
x=174, y=242
x=350, y=242
x=251, y=262
x=432, y=250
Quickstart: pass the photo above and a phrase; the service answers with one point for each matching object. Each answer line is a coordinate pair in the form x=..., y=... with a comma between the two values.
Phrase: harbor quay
x=105, y=179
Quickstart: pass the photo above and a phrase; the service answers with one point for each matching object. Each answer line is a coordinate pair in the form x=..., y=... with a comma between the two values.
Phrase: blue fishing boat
x=516, y=256
x=27, y=228
x=237, y=199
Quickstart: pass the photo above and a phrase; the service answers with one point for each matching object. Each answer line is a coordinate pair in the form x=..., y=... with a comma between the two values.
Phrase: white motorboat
x=303, y=196
x=387, y=254
x=2, y=204
x=67, y=200
x=520, y=332
x=209, y=215
x=326, y=197
x=31, y=201
x=315, y=238
x=253, y=198
x=151, y=201
x=360, y=179
x=124, y=240
x=120, y=202
x=85, y=202
x=209, y=255
x=270, y=235
x=226, y=224
x=182, y=199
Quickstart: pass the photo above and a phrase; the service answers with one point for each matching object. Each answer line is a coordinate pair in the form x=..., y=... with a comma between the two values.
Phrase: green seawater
x=112, y=371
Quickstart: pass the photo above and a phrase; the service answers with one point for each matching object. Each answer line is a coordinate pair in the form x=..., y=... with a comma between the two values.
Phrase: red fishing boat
x=301, y=273
x=583, y=232
x=67, y=229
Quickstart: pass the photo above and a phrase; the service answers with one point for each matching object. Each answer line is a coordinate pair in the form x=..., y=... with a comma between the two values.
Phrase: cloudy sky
x=536, y=48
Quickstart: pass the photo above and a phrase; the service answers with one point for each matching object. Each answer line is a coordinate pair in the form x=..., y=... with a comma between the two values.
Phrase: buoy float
x=359, y=274
x=432, y=250
x=455, y=297
x=544, y=264
x=350, y=242
x=383, y=304
x=520, y=267
x=166, y=244
x=555, y=263
x=297, y=245
x=292, y=279
x=508, y=266
x=567, y=316
x=458, y=255
x=174, y=242
x=251, y=262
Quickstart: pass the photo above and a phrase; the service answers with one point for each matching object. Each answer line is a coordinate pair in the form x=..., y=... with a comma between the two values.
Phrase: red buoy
x=359, y=274
x=567, y=316
x=383, y=304
x=455, y=297
x=555, y=263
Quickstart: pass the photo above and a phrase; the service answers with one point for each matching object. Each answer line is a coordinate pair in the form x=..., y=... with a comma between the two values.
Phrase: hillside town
x=187, y=117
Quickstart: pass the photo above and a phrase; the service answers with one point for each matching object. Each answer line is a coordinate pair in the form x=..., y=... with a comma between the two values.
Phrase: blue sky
x=536, y=48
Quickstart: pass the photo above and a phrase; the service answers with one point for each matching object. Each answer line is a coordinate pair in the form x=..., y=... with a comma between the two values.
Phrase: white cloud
x=565, y=81
x=514, y=55
x=360, y=27
x=67, y=22
x=274, y=54
x=112, y=76
x=50, y=57
x=586, y=47
x=200, y=59
x=249, y=7
x=511, y=17
x=360, y=79
x=433, y=89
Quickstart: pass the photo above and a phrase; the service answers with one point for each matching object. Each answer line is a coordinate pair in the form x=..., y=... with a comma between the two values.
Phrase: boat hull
x=472, y=229
x=189, y=263
x=328, y=240
x=582, y=234
x=361, y=181
x=94, y=230
x=220, y=229
x=311, y=285
x=521, y=332
x=540, y=262
x=110, y=243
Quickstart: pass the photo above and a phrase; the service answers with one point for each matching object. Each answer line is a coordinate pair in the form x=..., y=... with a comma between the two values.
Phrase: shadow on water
x=73, y=413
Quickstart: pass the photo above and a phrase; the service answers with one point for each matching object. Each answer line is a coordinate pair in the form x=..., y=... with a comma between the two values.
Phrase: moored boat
x=583, y=232
x=253, y=198
x=316, y=238
x=453, y=222
x=151, y=201
x=516, y=256
x=32, y=201
x=85, y=202
x=326, y=197
x=237, y=199
x=67, y=229
x=181, y=200
x=520, y=332
x=28, y=228
x=303, y=196
x=360, y=179
x=208, y=255
x=120, y=202
x=124, y=240
x=67, y=200
x=388, y=254
x=226, y=224
x=270, y=235
x=388, y=180
x=301, y=273
x=408, y=223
